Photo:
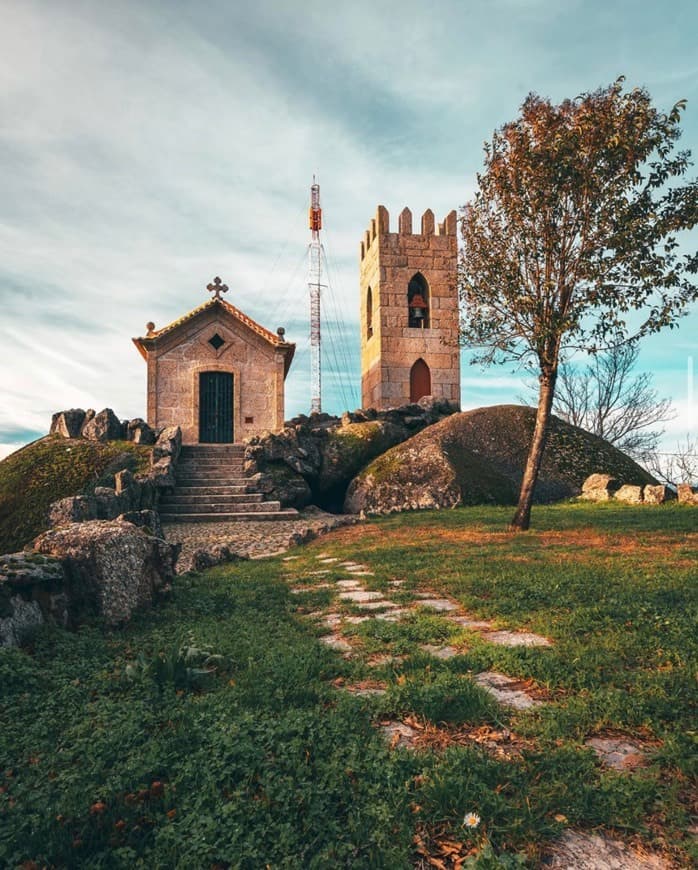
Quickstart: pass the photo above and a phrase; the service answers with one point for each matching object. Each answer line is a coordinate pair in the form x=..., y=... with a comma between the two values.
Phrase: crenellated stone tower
x=409, y=311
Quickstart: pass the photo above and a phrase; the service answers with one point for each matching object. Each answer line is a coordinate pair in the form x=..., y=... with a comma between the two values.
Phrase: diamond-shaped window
x=216, y=341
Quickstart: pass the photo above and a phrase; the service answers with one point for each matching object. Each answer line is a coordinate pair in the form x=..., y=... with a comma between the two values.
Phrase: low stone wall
x=604, y=487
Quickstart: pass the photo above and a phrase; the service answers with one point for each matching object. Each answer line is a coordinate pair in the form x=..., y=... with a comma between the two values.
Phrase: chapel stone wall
x=257, y=369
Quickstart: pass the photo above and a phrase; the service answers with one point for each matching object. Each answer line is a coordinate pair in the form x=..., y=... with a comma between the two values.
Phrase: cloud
x=148, y=147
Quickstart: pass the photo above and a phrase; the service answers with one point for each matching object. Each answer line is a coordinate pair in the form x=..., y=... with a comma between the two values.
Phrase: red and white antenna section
x=315, y=285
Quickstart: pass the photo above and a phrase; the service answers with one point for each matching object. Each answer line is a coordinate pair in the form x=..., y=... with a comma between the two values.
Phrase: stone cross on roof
x=217, y=288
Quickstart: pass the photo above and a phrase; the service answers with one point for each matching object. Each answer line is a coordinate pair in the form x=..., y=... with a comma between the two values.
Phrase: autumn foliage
x=573, y=238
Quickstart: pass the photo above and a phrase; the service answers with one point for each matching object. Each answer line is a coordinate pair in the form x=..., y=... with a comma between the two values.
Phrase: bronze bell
x=418, y=307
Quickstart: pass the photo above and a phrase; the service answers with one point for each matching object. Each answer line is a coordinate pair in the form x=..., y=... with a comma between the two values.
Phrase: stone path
x=372, y=604
x=205, y=544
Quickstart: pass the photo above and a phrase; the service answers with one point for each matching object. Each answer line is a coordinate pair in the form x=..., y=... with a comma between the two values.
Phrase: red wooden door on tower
x=420, y=381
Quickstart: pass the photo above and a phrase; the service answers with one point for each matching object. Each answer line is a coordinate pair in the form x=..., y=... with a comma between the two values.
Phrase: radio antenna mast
x=315, y=256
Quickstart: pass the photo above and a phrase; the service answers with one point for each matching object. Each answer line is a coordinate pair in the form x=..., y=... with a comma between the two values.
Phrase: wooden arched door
x=420, y=381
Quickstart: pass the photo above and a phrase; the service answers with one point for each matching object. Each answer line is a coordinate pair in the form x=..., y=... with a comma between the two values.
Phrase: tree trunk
x=522, y=517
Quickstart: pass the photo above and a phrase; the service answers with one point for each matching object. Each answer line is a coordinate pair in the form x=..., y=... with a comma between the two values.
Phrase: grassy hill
x=114, y=753
x=53, y=468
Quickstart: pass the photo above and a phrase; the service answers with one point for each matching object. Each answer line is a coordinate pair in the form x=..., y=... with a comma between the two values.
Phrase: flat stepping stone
x=376, y=605
x=576, y=850
x=290, y=558
x=618, y=753
x=440, y=652
x=516, y=638
x=360, y=572
x=317, y=573
x=328, y=560
x=398, y=733
x=506, y=690
x=377, y=660
x=337, y=643
x=443, y=605
x=300, y=590
x=366, y=690
x=396, y=582
x=350, y=565
x=393, y=615
x=349, y=584
x=357, y=620
x=360, y=595
x=332, y=620
x=472, y=624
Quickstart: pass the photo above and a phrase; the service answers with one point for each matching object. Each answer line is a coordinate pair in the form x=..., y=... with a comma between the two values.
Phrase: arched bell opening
x=418, y=302
x=420, y=381
x=369, y=313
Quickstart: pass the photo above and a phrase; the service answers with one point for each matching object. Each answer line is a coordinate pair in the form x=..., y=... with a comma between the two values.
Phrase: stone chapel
x=409, y=311
x=216, y=373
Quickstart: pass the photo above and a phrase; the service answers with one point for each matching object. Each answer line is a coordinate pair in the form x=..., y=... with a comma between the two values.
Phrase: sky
x=146, y=147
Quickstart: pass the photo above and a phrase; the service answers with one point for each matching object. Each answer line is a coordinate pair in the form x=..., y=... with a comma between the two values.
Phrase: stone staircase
x=212, y=487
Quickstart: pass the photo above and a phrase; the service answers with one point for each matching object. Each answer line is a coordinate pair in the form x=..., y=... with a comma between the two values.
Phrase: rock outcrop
x=104, y=426
x=658, y=494
x=630, y=494
x=478, y=457
x=599, y=487
x=31, y=593
x=67, y=424
x=314, y=458
x=604, y=487
x=111, y=568
x=687, y=494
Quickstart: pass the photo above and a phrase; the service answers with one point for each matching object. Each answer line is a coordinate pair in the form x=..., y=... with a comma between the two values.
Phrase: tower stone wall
x=398, y=270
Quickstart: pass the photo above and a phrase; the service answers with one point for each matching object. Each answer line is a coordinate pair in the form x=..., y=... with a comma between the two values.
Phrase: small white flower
x=471, y=820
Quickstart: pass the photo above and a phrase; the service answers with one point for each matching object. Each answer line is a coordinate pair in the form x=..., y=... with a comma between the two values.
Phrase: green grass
x=53, y=468
x=115, y=751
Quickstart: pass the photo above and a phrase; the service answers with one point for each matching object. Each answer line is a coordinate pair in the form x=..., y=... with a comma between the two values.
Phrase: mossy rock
x=478, y=457
x=347, y=450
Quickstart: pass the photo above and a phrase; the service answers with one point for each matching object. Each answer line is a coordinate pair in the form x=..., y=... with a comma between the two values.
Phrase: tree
x=679, y=466
x=607, y=399
x=572, y=238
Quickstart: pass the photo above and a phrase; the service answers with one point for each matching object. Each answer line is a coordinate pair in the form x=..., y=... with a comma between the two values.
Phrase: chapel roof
x=146, y=342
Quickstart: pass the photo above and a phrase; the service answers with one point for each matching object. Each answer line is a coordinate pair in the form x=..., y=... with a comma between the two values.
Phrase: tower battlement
x=380, y=226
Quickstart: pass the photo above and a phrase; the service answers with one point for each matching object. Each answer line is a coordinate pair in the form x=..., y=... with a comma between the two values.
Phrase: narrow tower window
x=418, y=302
x=369, y=313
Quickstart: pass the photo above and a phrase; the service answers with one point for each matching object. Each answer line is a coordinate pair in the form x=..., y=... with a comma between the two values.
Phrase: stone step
x=180, y=497
x=211, y=460
x=196, y=452
x=210, y=490
x=206, y=464
x=222, y=507
x=207, y=475
x=216, y=467
x=257, y=516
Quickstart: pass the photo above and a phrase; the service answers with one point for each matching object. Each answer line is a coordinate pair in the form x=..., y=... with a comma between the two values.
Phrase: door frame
x=195, y=403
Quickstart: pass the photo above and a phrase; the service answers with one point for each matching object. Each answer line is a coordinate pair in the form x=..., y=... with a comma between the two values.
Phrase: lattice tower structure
x=315, y=257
